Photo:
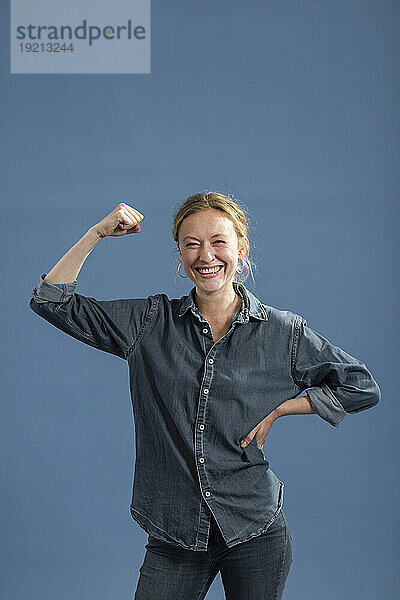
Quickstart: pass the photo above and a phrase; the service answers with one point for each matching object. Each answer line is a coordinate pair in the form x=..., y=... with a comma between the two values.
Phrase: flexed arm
x=109, y=325
x=122, y=220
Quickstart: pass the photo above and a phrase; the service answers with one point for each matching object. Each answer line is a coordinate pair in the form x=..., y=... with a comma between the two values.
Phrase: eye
x=194, y=243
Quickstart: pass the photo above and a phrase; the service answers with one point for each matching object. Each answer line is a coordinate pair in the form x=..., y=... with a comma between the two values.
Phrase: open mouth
x=209, y=271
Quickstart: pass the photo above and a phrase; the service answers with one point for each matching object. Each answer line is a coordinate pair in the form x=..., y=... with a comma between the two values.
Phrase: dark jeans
x=253, y=570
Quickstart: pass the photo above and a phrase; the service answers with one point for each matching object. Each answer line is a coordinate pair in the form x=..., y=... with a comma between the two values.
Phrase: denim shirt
x=195, y=400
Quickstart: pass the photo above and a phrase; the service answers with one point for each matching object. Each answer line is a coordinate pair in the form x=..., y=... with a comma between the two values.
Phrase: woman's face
x=208, y=239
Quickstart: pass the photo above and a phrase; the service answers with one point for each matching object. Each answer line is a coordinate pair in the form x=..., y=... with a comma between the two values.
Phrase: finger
x=128, y=220
x=139, y=213
x=251, y=435
x=134, y=212
x=247, y=441
x=259, y=444
x=117, y=208
x=134, y=215
x=134, y=229
x=128, y=209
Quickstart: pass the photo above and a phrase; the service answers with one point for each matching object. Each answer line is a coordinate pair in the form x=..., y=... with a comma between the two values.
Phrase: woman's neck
x=219, y=305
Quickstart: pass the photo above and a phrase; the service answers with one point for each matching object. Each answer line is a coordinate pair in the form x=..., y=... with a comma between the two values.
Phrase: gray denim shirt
x=195, y=400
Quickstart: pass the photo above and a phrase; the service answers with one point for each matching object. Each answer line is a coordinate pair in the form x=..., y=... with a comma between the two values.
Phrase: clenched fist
x=122, y=220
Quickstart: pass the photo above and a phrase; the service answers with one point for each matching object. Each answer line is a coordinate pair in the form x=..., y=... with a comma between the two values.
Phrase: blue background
x=291, y=107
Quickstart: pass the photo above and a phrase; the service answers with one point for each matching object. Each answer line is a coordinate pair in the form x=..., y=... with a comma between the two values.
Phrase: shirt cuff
x=325, y=404
x=53, y=292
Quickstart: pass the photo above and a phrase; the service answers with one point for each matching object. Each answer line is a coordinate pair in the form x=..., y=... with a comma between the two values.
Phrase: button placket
x=211, y=348
x=207, y=378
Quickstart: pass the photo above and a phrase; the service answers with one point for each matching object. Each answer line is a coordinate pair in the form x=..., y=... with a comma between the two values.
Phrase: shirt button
x=201, y=459
x=210, y=360
x=205, y=330
x=208, y=494
x=205, y=391
x=201, y=427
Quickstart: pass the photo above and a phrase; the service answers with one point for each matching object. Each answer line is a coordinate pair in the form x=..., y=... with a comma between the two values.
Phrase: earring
x=241, y=269
x=178, y=271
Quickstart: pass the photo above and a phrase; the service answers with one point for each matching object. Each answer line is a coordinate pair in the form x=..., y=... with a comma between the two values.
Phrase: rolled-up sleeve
x=113, y=326
x=336, y=382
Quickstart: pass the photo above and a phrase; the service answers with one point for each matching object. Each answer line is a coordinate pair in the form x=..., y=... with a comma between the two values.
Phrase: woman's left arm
x=336, y=382
x=333, y=383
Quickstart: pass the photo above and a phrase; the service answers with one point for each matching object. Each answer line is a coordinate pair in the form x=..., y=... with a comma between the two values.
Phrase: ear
x=179, y=250
x=243, y=245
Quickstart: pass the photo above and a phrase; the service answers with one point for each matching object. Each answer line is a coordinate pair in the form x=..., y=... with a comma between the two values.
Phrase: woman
x=209, y=375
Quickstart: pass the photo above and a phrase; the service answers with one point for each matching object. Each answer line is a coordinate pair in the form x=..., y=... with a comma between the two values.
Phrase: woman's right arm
x=121, y=221
x=68, y=267
x=113, y=326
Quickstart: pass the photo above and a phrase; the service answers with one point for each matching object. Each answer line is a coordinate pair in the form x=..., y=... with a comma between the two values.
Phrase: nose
x=206, y=253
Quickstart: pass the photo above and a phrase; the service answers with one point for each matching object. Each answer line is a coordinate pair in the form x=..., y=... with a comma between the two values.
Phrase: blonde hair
x=231, y=209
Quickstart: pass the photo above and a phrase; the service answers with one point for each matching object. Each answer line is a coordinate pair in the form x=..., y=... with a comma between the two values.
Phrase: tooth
x=211, y=270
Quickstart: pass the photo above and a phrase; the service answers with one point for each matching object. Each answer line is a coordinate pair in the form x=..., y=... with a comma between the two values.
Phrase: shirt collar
x=251, y=305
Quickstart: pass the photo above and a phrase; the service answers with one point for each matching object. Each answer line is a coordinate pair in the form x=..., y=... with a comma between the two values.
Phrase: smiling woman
x=207, y=371
x=210, y=231
x=234, y=227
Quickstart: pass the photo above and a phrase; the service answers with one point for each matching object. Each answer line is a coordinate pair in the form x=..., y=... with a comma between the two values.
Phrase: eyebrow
x=213, y=236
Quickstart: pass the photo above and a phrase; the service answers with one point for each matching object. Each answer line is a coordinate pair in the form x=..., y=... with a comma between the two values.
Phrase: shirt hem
x=143, y=521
